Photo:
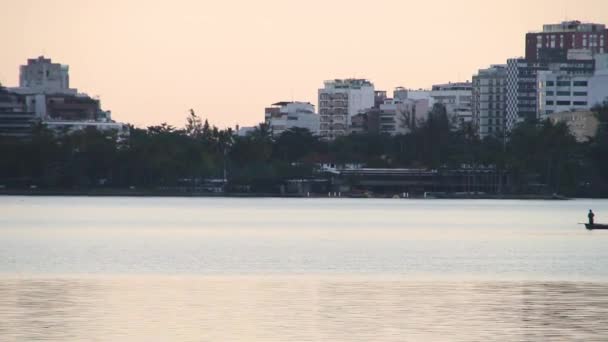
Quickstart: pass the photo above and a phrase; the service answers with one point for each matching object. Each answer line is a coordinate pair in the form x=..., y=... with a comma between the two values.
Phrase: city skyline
x=228, y=66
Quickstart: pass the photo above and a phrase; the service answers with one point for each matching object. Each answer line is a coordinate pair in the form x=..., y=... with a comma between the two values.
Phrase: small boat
x=596, y=226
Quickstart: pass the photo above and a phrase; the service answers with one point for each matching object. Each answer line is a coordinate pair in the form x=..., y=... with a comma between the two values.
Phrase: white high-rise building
x=340, y=101
x=457, y=99
x=559, y=91
x=489, y=100
x=44, y=76
x=283, y=116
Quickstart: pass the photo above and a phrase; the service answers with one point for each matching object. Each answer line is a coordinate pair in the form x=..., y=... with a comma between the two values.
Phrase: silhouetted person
x=591, y=215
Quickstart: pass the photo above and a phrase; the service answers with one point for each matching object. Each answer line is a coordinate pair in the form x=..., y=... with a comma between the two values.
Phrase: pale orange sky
x=151, y=61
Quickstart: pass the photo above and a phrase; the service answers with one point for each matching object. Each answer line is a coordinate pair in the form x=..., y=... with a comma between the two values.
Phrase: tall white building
x=339, y=102
x=561, y=92
x=457, y=99
x=489, y=100
x=397, y=116
x=283, y=116
x=44, y=76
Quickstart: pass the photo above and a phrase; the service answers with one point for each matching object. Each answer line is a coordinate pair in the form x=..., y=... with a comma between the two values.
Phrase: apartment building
x=489, y=100
x=339, y=102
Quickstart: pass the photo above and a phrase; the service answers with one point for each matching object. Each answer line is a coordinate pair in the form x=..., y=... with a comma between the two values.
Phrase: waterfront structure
x=582, y=124
x=489, y=100
x=555, y=40
x=15, y=118
x=457, y=99
x=339, y=102
x=282, y=116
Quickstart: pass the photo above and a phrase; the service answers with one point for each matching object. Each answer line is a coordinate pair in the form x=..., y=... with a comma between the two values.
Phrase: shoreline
x=156, y=193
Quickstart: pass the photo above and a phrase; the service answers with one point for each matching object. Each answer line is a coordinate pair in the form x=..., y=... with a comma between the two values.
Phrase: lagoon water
x=213, y=269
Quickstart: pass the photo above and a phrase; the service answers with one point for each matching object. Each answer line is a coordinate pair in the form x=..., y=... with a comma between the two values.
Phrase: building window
x=550, y=103
x=563, y=103
x=550, y=93
x=580, y=103
x=550, y=83
x=563, y=93
x=580, y=83
x=564, y=83
x=580, y=93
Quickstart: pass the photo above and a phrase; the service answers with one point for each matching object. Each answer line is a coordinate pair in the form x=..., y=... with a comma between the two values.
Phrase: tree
x=194, y=126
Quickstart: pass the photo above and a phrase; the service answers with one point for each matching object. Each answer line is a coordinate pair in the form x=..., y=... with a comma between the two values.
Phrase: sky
x=151, y=61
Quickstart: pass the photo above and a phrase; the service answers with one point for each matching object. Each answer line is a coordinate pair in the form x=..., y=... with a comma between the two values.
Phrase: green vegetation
x=536, y=155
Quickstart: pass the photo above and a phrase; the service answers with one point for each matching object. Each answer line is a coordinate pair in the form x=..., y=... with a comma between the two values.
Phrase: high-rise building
x=559, y=91
x=522, y=75
x=457, y=100
x=521, y=99
x=555, y=40
x=282, y=116
x=340, y=101
x=42, y=75
x=489, y=100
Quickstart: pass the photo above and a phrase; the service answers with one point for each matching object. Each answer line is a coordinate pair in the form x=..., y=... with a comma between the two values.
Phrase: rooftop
x=572, y=26
x=348, y=83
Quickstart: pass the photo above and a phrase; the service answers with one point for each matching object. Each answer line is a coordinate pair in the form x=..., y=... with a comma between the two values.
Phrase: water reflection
x=310, y=308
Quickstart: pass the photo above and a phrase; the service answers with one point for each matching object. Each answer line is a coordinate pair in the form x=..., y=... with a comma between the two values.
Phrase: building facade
x=582, y=124
x=457, y=99
x=339, y=102
x=282, y=116
x=42, y=75
x=555, y=40
x=559, y=91
x=398, y=116
x=44, y=96
x=393, y=116
x=489, y=101
x=15, y=118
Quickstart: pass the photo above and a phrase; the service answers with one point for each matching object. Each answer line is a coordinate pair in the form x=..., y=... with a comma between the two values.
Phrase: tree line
x=533, y=154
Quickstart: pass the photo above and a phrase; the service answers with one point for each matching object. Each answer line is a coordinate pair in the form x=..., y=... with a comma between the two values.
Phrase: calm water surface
x=190, y=269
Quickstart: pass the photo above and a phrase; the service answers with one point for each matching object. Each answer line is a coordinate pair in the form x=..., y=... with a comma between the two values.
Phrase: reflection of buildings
x=44, y=96
x=283, y=116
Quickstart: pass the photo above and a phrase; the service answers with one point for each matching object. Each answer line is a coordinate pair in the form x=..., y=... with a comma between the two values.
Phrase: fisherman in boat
x=591, y=215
